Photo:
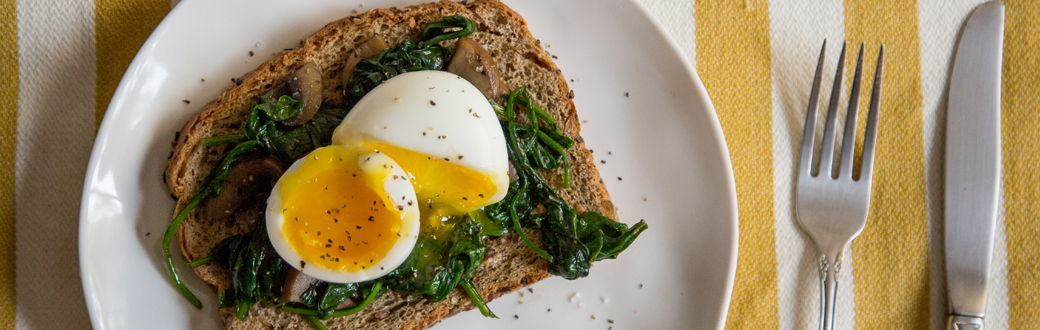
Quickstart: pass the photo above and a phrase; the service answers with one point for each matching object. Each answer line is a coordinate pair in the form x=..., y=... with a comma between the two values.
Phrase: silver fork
x=832, y=205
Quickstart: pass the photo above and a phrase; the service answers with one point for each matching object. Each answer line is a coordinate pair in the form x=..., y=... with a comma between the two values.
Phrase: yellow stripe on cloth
x=1021, y=156
x=8, y=138
x=733, y=58
x=121, y=27
x=891, y=255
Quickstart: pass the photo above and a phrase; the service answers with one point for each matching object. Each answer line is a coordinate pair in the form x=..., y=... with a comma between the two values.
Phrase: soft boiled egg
x=417, y=151
x=343, y=214
x=444, y=134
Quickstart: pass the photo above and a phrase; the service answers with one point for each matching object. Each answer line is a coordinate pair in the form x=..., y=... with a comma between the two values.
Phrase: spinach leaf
x=210, y=186
x=442, y=259
x=321, y=299
x=290, y=143
x=282, y=109
x=572, y=241
x=407, y=56
x=257, y=272
x=615, y=236
x=437, y=31
x=403, y=57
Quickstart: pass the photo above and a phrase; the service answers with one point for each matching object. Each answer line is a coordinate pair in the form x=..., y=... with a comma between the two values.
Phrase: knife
x=973, y=164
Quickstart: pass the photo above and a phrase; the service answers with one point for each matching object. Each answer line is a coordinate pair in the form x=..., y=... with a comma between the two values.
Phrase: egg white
x=435, y=113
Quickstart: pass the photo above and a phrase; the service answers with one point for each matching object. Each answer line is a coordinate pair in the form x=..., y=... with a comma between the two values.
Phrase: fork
x=831, y=204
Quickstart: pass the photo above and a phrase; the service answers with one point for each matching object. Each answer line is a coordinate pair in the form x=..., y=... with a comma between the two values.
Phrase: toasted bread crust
x=509, y=265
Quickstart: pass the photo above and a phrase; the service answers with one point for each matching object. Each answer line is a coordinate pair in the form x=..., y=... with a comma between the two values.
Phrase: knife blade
x=973, y=164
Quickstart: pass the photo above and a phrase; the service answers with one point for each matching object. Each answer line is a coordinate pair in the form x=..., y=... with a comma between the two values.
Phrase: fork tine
x=872, y=121
x=809, y=133
x=827, y=157
x=848, y=140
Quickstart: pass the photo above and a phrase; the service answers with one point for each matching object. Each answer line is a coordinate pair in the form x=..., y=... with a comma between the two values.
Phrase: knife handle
x=961, y=322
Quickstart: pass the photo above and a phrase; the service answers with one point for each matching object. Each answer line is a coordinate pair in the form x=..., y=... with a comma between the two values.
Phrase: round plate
x=644, y=112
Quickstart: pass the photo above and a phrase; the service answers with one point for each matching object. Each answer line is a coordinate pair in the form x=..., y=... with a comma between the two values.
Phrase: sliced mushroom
x=473, y=63
x=365, y=49
x=296, y=283
x=246, y=183
x=305, y=85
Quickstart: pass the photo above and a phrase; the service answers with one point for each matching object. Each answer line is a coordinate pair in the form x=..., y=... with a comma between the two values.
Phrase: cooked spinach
x=210, y=186
x=256, y=269
x=282, y=109
x=572, y=241
x=321, y=299
x=442, y=259
x=437, y=31
x=286, y=142
x=407, y=56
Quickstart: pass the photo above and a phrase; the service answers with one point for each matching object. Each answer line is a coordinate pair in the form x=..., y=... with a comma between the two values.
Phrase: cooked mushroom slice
x=472, y=62
x=296, y=282
x=365, y=49
x=305, y=86
x=246, y=183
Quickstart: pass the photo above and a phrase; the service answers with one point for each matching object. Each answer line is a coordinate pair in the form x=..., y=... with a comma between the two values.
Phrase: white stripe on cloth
x=943, y=19
x=55, y=134
x=677, y=18
x=798, y=29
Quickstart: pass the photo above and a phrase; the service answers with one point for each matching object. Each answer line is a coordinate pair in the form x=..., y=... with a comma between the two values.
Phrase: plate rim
x=133, y=71
x=723, y=147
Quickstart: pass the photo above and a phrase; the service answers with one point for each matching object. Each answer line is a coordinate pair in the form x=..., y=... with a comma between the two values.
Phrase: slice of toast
x=509, y=264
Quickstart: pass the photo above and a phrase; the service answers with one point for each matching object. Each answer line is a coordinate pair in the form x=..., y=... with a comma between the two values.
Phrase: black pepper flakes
x=186, y=101
x=250, y=53
x=570, y=94
x=433, y=103
x=554, y=57
x=516, y=317
x=619, y=178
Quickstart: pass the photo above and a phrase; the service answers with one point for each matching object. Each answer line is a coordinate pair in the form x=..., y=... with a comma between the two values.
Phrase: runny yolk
x=335, y=215
x=444, y=189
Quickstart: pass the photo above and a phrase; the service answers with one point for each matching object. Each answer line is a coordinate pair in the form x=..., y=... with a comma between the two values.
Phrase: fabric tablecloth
x=60, y=62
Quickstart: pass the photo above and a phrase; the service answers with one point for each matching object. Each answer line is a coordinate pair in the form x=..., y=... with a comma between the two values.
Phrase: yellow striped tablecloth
x=60, y=62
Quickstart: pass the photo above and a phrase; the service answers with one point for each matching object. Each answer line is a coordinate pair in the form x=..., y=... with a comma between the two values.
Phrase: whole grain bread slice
x=509, y=264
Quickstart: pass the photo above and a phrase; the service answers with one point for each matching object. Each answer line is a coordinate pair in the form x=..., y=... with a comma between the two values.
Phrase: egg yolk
x=335, y=214
x=444, y=189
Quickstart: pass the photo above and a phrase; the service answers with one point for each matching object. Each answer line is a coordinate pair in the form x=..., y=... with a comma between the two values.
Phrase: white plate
x=663, y=138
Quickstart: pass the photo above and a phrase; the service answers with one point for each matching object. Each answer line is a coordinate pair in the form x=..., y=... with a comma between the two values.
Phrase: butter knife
x=973, y=164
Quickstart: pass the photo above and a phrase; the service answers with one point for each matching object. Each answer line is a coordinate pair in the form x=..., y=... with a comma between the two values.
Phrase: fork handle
x=830, y=268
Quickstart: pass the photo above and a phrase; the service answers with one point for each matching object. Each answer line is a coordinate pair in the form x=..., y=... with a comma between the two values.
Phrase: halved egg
x=443, y=133
x=343, y=214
